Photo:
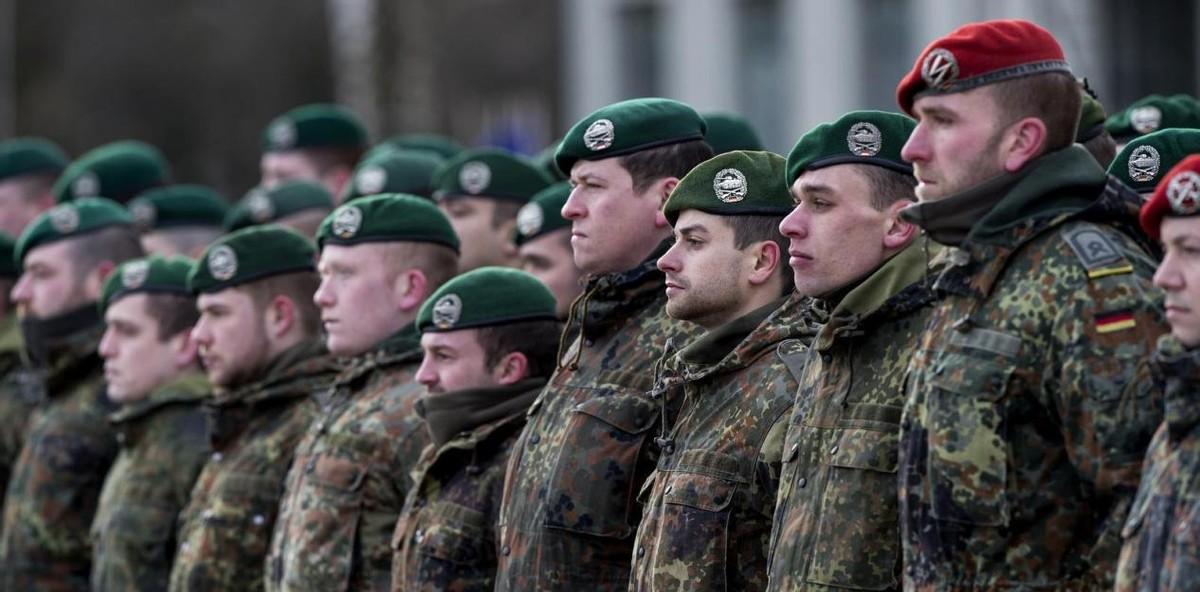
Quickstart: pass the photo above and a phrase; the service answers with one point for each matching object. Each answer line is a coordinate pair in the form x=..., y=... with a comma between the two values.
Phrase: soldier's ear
x=511, y=369
x=767, y=259
x=185, y=348
x=411, y=288
x=897, y=232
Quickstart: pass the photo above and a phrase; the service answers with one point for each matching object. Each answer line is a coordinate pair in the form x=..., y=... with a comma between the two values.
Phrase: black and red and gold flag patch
x=1115, y=321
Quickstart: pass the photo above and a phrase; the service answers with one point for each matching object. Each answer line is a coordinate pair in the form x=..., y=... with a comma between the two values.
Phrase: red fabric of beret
x=1177, y=194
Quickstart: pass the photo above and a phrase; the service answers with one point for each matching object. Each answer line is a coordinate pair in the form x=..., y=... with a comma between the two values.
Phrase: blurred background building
x=200, y=78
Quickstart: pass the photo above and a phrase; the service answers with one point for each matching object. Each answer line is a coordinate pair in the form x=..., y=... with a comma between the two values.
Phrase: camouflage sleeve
x=1107, y=322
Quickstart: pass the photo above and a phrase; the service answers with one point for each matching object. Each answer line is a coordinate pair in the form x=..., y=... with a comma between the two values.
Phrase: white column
x=824, y=64
x=935, y=18
x=590, y=35
x=352, y=30
x=700, y=53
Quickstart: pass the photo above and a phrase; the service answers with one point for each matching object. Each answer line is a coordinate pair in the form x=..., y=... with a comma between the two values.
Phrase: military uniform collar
x=305, y=359
x=403, y=346
x=1179, y=368
x=10, y=336
x=468, y=416
x=186, y=388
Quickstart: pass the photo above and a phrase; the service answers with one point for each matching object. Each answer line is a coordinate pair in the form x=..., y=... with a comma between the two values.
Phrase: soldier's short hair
x=298, y=287
x=188, y=239
x=116, y=244
x=888, y=186
x=1052, y=97
x=538, y=340
x=173, y=313
x=437, y=262
x=673, y=160
x=748, y=230
x=33, y=185
x=504, y=211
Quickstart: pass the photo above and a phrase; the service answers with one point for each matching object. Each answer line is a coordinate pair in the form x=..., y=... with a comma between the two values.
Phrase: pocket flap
x=869, y=450
x=632, y=414
x=703, y=492
x=977, y=378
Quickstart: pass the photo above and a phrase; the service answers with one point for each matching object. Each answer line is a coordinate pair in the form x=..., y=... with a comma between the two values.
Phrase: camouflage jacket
x=1020, y=447
x=18, y=397
x=569, y=510
x=56, y=481
x=1162, y=534
x=164, y=442
x=836, y=525
x=225, y=529
x=346, y=488
x=446, y=538
x=707, y=506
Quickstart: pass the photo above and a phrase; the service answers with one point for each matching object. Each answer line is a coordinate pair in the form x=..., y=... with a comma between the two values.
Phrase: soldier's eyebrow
x=691, y=229
x=813, y=188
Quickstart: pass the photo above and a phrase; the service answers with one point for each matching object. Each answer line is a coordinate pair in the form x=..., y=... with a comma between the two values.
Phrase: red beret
x=981, y=53
x=1177, y=194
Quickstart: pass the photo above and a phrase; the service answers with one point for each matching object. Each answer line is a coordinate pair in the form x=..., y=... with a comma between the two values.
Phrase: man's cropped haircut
x=1052, y=97
x=673, y=160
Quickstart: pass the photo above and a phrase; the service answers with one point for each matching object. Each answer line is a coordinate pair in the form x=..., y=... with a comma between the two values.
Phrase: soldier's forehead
x=1178, y=228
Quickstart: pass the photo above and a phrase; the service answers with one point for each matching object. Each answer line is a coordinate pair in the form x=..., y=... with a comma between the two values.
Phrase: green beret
x=25, y=156
x=488, y=172
x=151, y=275
x=177, y=206
x=858, y=137
x=390, y=217
x=69, y=220
x=628, y=127
x=249, y=255
x=393, y=171
x=484, y=297
x=118, y=170
x=1091, y=116
x=433, y=143
x=1145, y=159
x=728, y=132
x=8, y=263
x=314, y=126
x=543, y=213
x=262, y=206
x=1151, y=113
x=738, y=183
x=544, y=161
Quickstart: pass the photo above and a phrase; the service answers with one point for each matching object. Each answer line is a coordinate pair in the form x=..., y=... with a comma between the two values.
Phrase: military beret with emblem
x=1177, y=195
x=149, y=275
x=8, y=263
x=432, y=143
x=393, y=171
x=544, y=161
x=728, y=132
x=70, y=220
x=262, y=206
x=858, y=137
x=627, y=127
x=486, y=297
x=1091, y=115
x=390, y=217
x=314, y=126
x=978, y=54
x=176, y=206
x=27, y=156
x=118, y=170
x=1152, y=113
x=488, y=172
x=1140, y=163
x=543, y=213
x=737, y=183
x=249, y=255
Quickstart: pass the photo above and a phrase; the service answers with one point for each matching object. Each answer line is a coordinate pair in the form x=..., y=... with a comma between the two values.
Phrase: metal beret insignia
x=730, y=185
x=222, y=262
x=260, y=207
x=864, y=139
x=446, y=311
x=86, y=185
x=599, y=135
x=530, y=219
x=1145, y=119
x=1144, y=162
x=134, y=274
x=1183, y=193
x=371, y=180
x=475, y=176
x=64, y=219
x=347, y=221
x=143, y=213
x=282, y=134
x=939, y=69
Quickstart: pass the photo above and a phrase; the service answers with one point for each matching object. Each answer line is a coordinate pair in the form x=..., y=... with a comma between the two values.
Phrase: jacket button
x=803, y=482
x=534, y=439
x=506, y=551
x=833, y=450
x=669, y=489
x=217, y=456
x=259, y=520
x=641, y=551
x=419, y=536
x=588, y=342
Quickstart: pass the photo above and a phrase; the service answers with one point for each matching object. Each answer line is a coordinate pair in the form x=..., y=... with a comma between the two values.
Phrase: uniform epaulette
x=1100, y=256
x=792, y=353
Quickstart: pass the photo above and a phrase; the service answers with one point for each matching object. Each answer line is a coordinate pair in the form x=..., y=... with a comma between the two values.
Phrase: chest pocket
x=135, y=545
x=329, y=534
x=596, y=478
x=236, y=525
x=968, y=452
x=451, y=548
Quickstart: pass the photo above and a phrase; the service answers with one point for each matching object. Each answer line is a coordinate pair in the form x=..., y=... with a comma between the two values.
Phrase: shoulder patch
x=1097, y=252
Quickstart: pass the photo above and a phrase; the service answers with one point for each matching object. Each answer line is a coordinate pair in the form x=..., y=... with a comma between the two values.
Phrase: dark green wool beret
x=628, y=127
x=728, y=132
x=151, y=275
x=484, y=297
x=1152, y=113
x=314, y=126
x=543, y=213
x=858, y=137
x=390, y=217
x=1091, y=116
x=394, y=171
x=249, y=255
x=262, y=206
x=1145, y=159
x=434, y=143
x=488, y=172
x=544, y=161
x=118, y=170
x=8, y=263
x=26, y=156
x=177, y=206
x=737, y=183
x=70, y=220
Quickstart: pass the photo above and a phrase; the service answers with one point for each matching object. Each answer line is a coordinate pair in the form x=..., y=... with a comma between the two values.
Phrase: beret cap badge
x=446, y=311
x=939, y=68
x=529, y=219
x=347, y=221
x=864, y=139
x=64, y=219
x=371, y=180
x=730, y=185
x=1145, y=119
x=87, y=185
x=282, y=134
x=1144, y=163
x=475, y=176
x=1184, y=193
x=134, y=274
x=222, y=262
x=599, y=135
